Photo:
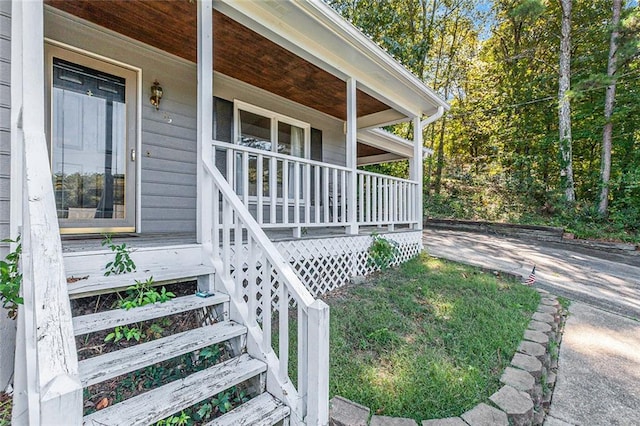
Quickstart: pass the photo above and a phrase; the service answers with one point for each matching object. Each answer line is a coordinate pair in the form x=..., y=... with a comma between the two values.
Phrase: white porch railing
x=282, y=191
x=386, y=200
x=254, y=274
x=47, y=385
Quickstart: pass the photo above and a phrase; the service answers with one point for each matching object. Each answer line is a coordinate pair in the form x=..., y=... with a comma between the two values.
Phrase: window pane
x=255, y=131
x=290, y=140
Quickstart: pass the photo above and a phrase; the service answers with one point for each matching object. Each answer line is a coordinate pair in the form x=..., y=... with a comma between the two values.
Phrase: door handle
x=133, y=155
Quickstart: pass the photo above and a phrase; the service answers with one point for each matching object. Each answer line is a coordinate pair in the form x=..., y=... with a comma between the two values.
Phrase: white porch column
x=205, y=125
x=416, y=170
x=352, y=158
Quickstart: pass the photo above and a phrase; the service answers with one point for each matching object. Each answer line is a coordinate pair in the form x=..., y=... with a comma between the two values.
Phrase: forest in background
x=521, y=144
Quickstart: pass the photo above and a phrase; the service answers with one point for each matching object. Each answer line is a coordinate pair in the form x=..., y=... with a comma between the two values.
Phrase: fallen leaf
x=104, y=403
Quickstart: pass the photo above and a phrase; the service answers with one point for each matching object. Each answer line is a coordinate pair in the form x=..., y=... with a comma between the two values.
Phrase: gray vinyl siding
x=333, y=137
x=5, y=120
x=7, y=326
x=169, y=135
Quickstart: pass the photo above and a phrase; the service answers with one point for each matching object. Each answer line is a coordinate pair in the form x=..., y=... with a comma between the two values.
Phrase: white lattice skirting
x=325, y=264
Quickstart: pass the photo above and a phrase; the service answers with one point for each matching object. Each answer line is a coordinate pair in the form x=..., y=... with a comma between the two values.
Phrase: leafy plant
x=11, y=279
x=143, y=293
x=181, y=420
x=211, y=353
x=222, y=403
x=382, y=252
x=122, y=262
x=125, y=332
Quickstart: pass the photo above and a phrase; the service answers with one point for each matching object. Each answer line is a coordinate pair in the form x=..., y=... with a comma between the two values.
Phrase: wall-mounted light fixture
x=156, y=94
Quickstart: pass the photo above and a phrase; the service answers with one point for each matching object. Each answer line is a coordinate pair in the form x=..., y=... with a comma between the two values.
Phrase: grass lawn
x=5, y=409
x=429, y=339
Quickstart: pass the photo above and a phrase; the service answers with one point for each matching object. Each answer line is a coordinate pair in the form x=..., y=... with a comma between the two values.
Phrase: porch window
x=266, y=130
x=263, y=129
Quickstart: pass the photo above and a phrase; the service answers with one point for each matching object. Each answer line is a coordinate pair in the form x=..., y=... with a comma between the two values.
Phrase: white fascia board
x=386, y=141
x=318, y=34
x=379, y=119
x=377, y=159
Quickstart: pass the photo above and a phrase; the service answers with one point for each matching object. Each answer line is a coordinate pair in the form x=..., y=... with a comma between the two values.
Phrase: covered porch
x=291, y=119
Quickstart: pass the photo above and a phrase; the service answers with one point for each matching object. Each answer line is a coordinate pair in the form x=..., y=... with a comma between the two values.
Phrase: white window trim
x=275, y=119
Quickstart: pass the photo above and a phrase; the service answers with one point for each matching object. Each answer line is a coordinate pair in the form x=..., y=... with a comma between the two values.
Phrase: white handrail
x=248, y=264
x=271, y=154
x=393, y=178
x=50, y=392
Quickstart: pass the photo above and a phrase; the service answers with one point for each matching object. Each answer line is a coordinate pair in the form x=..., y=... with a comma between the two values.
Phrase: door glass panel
x=89, y=142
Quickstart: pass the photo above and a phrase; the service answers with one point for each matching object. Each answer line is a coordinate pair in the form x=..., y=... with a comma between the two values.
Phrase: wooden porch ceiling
x=367, y=150
x=238, y=51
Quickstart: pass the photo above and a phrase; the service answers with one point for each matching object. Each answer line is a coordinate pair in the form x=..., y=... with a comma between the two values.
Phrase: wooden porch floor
x=89, y=243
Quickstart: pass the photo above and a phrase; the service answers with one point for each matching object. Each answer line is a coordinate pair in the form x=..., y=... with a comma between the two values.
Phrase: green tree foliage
x=497, y=152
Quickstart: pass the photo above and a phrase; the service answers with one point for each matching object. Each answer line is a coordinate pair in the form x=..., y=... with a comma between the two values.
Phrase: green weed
x=11, y=280
x=122, y=263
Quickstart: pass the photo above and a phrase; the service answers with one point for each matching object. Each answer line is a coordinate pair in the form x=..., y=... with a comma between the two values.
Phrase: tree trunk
x=564, y=110
x=440, y=158
x=607, y=133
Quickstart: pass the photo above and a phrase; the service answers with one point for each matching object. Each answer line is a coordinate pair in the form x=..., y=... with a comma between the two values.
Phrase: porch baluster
x=259, y=188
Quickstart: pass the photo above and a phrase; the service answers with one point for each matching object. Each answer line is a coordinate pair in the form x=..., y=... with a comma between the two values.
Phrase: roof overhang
x=315, y=32
x=301, y=50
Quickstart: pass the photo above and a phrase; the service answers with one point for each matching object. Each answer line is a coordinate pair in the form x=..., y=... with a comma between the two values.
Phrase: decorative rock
x=542, y=327
x=548, y=309
x=518, y=379
x=542, y=292
x=358, y=279
x=554, y=363
x=343, y=412
x=550, y=301
x=539, y=316
x=484, y=415
x=392, y=421
x=537, y=337
x=533, y=349
x=516, y=404
x=449, y=421
x=529, y=364
x=551, y=379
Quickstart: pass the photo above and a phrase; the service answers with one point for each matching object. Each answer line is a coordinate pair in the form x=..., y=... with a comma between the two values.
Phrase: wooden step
x=96, y=283
x=171, y=398
x=113, y=364
x=82, y=262
x=109, y=319
x=263, y=410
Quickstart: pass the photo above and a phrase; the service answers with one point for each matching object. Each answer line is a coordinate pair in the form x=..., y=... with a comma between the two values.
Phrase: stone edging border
x=528, y=382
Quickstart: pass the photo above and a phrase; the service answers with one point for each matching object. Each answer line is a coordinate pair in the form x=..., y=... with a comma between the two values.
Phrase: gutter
x=424, y=123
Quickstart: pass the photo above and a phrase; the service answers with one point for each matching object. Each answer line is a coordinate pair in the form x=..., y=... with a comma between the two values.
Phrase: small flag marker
x=532, y=277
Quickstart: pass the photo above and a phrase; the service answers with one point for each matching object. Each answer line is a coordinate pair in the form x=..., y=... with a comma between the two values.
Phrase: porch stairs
x=87, y=279
x=236, y=261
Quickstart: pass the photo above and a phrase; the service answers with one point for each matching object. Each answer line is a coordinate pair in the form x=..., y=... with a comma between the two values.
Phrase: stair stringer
x=239, y=312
